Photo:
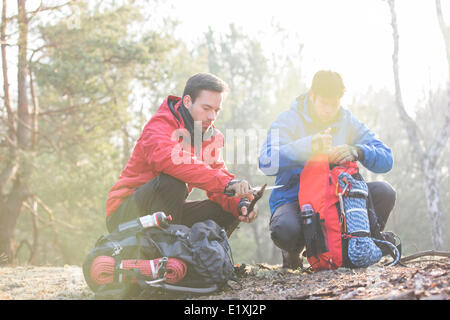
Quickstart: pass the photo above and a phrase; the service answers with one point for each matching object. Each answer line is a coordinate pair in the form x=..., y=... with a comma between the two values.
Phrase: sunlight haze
x=357, y=43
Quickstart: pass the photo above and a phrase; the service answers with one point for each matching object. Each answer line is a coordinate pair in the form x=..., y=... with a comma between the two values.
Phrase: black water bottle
x=309, y=229
x=307, y=214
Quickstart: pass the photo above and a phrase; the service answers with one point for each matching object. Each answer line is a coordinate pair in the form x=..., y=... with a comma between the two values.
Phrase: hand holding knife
x=254, y=190
x=257, y=193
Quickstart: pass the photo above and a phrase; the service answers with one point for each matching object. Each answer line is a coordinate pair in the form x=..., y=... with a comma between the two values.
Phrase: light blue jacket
x=288, y=147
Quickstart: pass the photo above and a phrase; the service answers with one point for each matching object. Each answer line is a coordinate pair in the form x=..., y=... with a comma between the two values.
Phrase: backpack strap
x=181, y=289
x=113, y=291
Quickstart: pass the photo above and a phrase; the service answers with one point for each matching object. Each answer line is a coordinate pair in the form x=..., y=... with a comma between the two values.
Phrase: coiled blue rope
x=362, y=250
x=396, y=252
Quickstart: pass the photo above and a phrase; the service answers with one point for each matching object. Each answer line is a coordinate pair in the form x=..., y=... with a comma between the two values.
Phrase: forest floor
x=424, y=278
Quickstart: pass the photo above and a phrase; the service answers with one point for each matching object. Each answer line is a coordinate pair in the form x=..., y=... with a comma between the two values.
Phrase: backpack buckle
x=346, y=189
x=161, y=269
x=117, y=249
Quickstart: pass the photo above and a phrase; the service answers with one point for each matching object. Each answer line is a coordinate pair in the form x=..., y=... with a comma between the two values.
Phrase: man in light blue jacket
x=316, y=123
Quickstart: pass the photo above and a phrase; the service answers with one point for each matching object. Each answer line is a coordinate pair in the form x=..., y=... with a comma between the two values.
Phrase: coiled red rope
x=102, y=269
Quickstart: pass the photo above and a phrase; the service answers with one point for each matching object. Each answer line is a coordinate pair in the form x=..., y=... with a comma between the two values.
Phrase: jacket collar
x=180, y=112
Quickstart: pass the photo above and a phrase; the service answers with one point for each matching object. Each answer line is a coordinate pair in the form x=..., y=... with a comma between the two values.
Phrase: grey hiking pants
x=168, y=194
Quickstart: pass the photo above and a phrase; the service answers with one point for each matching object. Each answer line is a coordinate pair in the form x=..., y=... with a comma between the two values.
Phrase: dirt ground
x=426, y=278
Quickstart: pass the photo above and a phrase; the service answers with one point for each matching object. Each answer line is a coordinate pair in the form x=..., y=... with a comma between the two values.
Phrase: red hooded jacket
x=161, y=148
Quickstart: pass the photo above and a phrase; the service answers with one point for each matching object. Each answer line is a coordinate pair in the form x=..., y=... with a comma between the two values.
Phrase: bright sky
x=353, y=37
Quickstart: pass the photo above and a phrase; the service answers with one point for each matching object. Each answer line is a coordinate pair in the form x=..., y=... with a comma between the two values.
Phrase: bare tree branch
x=34, y=51
x=411, y=127
x=51, y=214
x=443, y=135
x=424, y=254
x=444, y=30
x=8, y=174
x=23, y=113
x=41, y=8
x=35, y=114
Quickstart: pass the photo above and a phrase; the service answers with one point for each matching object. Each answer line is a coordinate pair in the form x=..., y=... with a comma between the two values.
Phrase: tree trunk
x=7, y=99
x=10, y=169
x=34, y=217
x=11, y=203
x=24, y=124
x=9, y=212
x=431, y=182
x=427, y=158
x=6, y=248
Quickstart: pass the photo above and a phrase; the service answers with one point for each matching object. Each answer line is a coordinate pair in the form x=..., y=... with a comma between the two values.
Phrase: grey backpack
x=203, y=248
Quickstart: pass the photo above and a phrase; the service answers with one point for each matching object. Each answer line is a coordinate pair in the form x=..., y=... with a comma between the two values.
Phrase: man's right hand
x=239, y=189
x=321, y=142
x=244, y=215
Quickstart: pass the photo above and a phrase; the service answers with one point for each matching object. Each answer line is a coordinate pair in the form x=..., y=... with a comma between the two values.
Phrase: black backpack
x=204, y=249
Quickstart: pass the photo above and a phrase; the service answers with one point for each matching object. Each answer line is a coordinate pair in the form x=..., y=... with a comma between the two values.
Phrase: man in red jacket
x=179, y=149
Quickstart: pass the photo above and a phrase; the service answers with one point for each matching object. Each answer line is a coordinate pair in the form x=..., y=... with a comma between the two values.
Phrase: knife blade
x=256, y=189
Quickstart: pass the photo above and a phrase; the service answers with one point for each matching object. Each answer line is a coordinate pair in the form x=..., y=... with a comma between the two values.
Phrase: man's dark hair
x=328, y=84
x=203, y=81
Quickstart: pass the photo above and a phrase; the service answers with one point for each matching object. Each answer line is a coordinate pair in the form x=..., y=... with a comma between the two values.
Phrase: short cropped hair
x=328, y=84
x=203, y=81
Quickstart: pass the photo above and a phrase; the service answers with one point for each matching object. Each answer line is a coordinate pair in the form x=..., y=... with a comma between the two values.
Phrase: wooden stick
x=426, y=253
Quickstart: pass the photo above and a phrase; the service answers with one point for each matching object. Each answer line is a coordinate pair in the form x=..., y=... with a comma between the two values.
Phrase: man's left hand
x=343, y=153
x=244, y=215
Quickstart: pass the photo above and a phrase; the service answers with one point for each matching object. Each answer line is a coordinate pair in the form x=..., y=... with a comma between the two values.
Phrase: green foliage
x=84, y=78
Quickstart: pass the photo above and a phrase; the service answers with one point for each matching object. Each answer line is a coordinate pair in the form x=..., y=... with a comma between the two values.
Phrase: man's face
x=325, y=108
x=205, y=108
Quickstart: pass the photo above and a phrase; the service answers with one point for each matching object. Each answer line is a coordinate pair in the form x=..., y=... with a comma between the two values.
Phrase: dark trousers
x=285, y=226
x=168, y=194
